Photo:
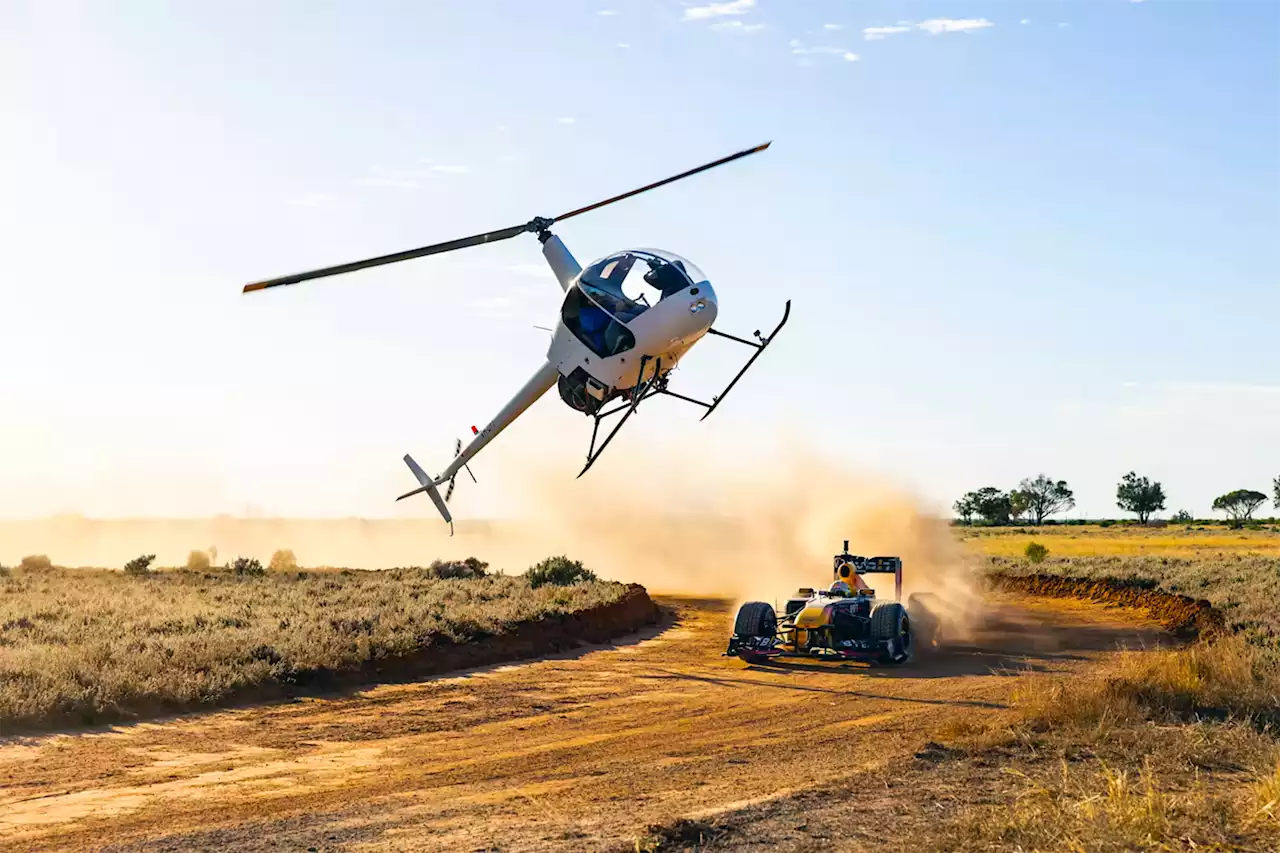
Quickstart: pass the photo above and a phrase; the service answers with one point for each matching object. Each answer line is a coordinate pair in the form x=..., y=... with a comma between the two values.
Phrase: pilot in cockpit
x=667, y=277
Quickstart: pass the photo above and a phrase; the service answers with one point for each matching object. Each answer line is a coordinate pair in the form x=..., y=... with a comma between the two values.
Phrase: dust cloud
x=676, y=521
x=754, y=529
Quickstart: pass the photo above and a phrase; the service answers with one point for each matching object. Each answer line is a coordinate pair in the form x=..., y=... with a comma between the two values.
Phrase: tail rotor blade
x=664, y=182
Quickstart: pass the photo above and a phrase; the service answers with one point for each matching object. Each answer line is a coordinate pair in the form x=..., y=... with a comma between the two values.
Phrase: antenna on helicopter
x=538, y=225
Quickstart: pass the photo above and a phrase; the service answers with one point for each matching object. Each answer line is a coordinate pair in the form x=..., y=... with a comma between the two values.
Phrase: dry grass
x=1245, y=587
x=1228, y=678
x=82, y=644
x=1158, y=750
x=1188, y=541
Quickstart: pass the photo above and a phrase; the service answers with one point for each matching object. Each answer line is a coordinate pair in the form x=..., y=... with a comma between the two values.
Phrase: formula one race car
x=844, y=622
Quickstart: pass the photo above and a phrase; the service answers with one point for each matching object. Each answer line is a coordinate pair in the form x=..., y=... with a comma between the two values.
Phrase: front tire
x=756, y=619
x=891, y=625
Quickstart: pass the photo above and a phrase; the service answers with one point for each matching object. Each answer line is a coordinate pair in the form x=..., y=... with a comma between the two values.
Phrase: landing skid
x=658, y=385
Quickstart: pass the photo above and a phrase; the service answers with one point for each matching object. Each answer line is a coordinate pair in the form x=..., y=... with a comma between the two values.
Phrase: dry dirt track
x=574, y=753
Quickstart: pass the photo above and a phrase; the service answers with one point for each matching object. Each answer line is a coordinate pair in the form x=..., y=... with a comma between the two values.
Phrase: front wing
x=780, y=646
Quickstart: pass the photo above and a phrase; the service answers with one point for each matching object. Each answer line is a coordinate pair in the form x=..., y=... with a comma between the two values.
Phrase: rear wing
x=872, y=565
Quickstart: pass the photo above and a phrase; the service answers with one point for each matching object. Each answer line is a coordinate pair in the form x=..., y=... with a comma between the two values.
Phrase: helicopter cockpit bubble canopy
x=627, y=283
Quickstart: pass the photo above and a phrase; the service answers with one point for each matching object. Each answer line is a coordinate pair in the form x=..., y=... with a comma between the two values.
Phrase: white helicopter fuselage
x=663, y=333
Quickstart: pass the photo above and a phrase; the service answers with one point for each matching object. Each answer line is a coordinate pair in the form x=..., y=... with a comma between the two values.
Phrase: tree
x=1239, y=504
x=1044, y=497
x=1139, y=495
x=1276, y=485
x=247, y=566
x=283, y=561
x=967, y=506
x=1019, y=504
x=558, y=571
x=993, y=505
x=139, y=565
x=198, y=561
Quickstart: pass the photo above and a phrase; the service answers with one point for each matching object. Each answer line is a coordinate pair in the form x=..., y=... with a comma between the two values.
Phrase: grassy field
x=1238, y=571
x=1122, y=540
x=79, y=645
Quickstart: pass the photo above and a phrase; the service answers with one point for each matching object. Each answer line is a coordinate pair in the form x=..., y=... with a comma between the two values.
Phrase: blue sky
x=1019, y=237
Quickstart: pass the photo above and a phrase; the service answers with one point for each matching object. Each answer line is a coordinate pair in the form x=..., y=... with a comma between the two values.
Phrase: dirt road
x=580, y=752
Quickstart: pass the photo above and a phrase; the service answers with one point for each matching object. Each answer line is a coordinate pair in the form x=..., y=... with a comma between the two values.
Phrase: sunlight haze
x=1018, y=237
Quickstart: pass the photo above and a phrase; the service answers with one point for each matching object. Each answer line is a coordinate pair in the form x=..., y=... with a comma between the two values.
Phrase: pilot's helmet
x=840, y=588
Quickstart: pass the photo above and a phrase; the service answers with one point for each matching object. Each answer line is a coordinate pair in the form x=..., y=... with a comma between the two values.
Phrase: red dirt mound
x=1184, y=617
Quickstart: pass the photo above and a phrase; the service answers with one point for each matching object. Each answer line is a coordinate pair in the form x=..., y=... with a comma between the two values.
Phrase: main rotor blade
x=489, y=237
x=653, y=186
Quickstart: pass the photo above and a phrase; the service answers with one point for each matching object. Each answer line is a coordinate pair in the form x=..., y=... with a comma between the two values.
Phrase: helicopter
x=626, y=321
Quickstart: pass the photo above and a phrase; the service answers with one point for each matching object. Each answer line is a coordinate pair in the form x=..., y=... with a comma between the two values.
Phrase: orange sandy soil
x=580, y=752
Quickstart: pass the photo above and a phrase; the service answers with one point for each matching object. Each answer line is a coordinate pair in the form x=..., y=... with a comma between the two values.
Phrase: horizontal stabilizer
x=428, y=486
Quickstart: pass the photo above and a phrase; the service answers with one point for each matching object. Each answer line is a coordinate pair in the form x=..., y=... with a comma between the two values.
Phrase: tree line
x=1038, y=498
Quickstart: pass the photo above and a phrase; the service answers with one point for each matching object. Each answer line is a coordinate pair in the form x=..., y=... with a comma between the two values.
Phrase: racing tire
x=891, y=624
x=756, y=619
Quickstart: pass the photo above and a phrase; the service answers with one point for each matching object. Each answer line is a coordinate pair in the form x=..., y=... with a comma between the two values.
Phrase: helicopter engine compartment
x=584, y=393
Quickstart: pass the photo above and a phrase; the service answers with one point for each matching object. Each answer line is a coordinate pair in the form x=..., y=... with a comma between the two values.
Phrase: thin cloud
x=737, y=26
x=566, y=120
x=879, y=33
x=450, y=169
x=936, y=26
x=607, y=13
x=1025, y=21
x=833, y=27
x=716, y=10
x=1062, y=25
x=799, y=48
x=623, y=45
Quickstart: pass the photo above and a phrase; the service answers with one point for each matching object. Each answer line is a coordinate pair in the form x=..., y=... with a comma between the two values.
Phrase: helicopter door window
x=594, y=326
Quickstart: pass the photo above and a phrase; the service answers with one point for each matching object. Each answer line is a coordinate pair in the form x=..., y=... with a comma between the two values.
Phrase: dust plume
x=677, y=521
x=748, y=529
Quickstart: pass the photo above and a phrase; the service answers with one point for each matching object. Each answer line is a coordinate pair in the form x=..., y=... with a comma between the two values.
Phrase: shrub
x=283, y=561
x=1036, y=552
x=1182, y=517
x=198, y=561
x=139, y=565
x=248, y=566
x=454, y=569
x=1106, y=522
x=4, y=571
x=35, y=563
x=558, y=571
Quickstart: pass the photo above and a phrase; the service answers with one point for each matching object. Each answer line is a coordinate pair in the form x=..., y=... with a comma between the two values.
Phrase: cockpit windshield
x=627, y=283
x=611, y=292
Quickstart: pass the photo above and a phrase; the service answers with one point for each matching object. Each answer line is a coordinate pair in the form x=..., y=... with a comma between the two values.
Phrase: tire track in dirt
x=577, y=752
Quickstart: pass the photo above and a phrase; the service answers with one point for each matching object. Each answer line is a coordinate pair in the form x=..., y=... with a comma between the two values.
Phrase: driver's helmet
x=840, y=588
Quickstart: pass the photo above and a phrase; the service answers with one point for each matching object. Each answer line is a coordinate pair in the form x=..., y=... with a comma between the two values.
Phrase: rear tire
x=756, y=619
x=890, y=624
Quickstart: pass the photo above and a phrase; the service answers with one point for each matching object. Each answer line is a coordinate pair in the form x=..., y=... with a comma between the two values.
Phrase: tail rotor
x=453, y=481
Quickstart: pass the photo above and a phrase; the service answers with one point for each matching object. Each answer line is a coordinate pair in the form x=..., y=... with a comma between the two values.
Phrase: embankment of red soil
x=529, y=639
x=1182, y=616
